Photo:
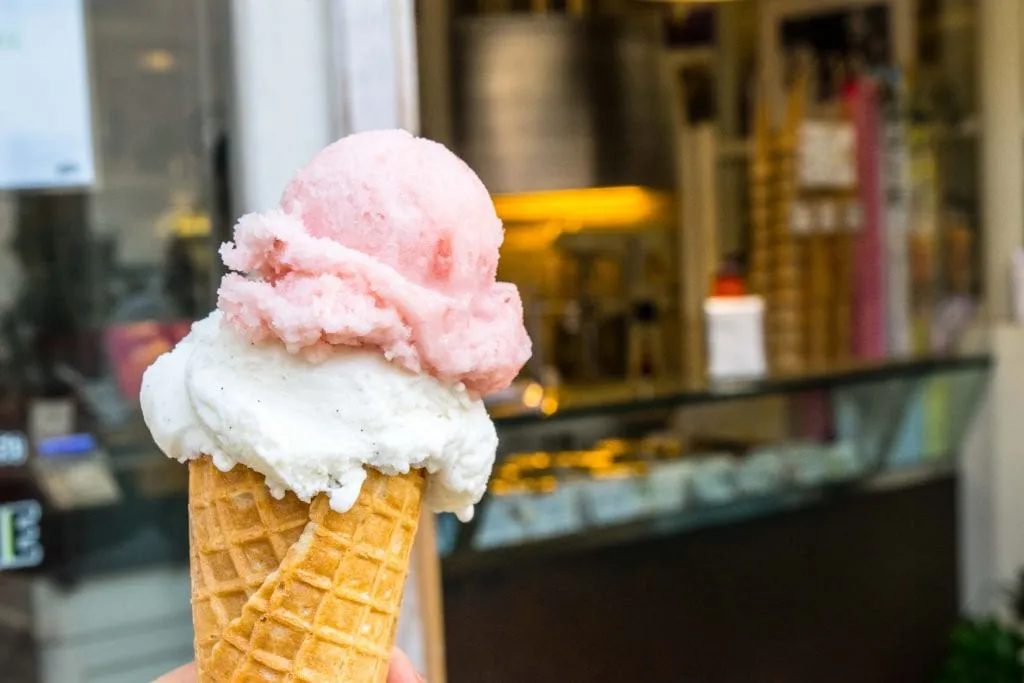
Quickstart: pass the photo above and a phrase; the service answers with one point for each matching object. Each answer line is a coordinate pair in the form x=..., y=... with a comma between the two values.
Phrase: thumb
x=186, y=674
x=402, y=670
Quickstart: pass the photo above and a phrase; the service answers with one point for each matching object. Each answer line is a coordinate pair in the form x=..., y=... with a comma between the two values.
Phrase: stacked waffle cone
x=288, y=591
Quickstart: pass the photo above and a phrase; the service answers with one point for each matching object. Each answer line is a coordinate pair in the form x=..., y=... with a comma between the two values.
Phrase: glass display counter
x=810, y=522
x=617, y=464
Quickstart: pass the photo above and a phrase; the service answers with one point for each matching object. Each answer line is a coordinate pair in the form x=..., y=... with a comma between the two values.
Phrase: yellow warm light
x=504, y=488
x=192, y=225
x=508, y=470
x=618, y=472
x=680, y=8
x=534, y=237
x=567, y=459
x=613, y=207
x=540, y=461
x=157, y=61
x=617, y=446
x=600, y=457
x=545, y=484
x=533, y=395
x=529, y=461
x=549, y=405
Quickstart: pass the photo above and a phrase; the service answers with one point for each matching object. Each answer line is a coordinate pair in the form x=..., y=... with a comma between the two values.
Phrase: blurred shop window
x=139, y=244
x=98, y=278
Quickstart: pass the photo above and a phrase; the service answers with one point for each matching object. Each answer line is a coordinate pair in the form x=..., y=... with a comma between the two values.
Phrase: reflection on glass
x=98, y=281
x=691, y=460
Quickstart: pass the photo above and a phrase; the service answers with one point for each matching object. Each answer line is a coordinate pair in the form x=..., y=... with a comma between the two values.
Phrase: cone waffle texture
x=291, y=592
x=239, y=535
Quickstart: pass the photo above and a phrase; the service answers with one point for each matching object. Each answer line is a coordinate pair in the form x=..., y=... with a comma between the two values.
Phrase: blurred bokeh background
x=770, y=256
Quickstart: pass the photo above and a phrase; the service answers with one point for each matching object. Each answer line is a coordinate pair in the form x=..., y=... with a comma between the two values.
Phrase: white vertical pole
x=283, y=111
x=374, y=61
x=991, y=478
x=992, y=472
x=1007, y=470
x=310, y=71
x=1002, y=147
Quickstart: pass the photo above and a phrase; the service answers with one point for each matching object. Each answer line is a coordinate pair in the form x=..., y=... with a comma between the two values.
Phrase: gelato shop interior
x=771, y=261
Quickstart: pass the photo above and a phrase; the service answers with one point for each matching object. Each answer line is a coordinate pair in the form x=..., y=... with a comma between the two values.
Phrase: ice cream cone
x=239, y=535
x=285, y=591
x=362, y=311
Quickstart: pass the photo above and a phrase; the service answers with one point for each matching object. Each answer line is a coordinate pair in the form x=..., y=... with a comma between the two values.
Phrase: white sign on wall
x=45, y=118
x=20, y=544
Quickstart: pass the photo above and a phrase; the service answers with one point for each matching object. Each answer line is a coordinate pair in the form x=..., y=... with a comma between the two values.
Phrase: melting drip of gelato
x=360, y=328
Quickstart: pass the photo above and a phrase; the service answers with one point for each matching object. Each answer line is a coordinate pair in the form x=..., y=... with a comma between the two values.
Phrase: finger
x=184, y=674
x=402, y=670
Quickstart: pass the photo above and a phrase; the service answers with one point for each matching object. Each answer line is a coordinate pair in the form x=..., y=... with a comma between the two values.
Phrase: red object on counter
x=132, y=347
x=729, y=285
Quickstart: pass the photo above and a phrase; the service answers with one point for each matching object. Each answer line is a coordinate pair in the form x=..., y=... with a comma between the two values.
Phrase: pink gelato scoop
x=383, y=241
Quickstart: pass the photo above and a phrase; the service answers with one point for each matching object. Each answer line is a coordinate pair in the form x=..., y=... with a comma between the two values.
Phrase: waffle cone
x=288, y=591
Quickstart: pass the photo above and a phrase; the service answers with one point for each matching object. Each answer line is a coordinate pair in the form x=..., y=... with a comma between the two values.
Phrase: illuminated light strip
x=593, y=207
x=68, y=444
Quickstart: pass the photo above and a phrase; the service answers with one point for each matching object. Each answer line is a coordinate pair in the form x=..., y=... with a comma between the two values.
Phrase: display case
x=612, y=464
x=783, y=518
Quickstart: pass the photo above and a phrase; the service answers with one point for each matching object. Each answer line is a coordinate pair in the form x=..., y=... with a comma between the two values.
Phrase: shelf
x=583, y=401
